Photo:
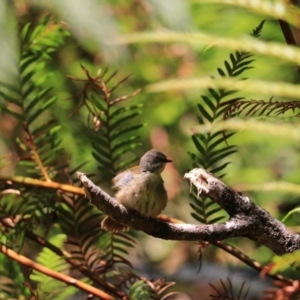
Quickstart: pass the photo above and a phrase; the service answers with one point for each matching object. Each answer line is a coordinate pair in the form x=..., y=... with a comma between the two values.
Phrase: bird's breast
x=145, y=193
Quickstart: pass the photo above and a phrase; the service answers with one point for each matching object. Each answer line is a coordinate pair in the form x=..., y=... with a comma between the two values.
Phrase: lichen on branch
x=246, y=218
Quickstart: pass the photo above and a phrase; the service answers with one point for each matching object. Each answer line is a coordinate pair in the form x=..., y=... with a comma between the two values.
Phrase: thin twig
x=35, y=154
x=58, y=276
x=248, y=261
x=41, y=183
x=246, y=218
x=289, y=37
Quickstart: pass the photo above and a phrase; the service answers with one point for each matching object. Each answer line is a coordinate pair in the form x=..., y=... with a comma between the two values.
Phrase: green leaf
x=8, y=98
x=208, y=203
x=204, y=113
x=26, y=77
x=117, y=123
x=219, y=168
x=228, y=68
x=123, y=242
x=196, y=159
x=12, y=113
x=10, y=87
x=198, y=218
x=232, y=58
x=102, y=150
x=293, y=211
x=124, y=143
x=209, y=103
x=125, y=149
x=224, y=137
x=198, y=145
x=126, y=163
x=120, y=249
x=139, y=290
x=28, y=61
x=215, y=95
x=236, y=73
x=215, y=220
x=244, y=63
x=25, y=32
x=122, y=110
x=213, y=211
x=31, y=105
x=216, y=158
x=199, y=210
x=122, y=132
x=221, y=72
x=103, y=162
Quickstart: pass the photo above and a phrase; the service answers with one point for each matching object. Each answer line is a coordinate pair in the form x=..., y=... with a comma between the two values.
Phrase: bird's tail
x=110, y=224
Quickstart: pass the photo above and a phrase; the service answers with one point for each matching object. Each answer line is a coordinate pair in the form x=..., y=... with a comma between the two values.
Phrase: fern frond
x=154, y=289
x=115, y=246
x=281, y=263
x=226, y=291
x=272, y=49
x=250, y=108
x=211, y=147
x=24, y=211
x=80, y=221
x=49, y=288
x=113, y=139
x=11, y=279
x=27, y=98
x=202, y=212
x=113, y=142
x=94, y=250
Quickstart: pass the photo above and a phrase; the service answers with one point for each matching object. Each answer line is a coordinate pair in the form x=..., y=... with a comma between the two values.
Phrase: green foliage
x=284, y=262
x=212, y=147
x=27, y=97
x=140, y=290
x=261, y=108
x=113, y=138
x=150, y=290
x=226, y=291
x=11, y=279
x=99, y=255
x=293, y=211
x=80, y=222
x=49, y=288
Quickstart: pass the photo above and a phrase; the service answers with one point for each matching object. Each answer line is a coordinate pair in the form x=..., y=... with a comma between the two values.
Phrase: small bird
x=140, y=188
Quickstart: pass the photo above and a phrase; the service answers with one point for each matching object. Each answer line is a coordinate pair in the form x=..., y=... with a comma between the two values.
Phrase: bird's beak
x=168, y=160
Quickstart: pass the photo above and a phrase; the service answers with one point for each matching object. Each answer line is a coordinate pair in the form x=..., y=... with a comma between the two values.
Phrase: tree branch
x=250, y=262
x=41, y=183
x=59, y=276
x=246, y=218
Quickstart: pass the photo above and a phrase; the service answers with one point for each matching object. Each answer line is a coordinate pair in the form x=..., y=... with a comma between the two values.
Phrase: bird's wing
x=123, y=179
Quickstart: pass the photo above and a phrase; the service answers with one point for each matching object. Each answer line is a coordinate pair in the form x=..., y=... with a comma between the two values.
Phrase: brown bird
x=140, y=188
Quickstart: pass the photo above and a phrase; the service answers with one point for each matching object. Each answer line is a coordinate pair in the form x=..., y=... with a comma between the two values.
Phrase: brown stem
x=41, y=183
x=35, y=154
x=67, y=256
x=61, y=277
x=249, y=261
x=246, y=218
x=288, y=35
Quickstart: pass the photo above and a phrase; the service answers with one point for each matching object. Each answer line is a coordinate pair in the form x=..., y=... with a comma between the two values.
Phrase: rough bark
x=246, y=218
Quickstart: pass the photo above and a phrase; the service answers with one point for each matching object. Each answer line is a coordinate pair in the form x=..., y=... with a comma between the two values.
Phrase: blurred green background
x=168, y=116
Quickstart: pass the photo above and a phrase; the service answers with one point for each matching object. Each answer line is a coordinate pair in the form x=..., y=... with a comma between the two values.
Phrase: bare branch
x=246, y=218
x=28, y=181
x=249, y=261
x=59, y=276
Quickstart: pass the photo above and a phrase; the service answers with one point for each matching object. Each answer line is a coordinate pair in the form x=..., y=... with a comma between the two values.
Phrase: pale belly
x=145, y=194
